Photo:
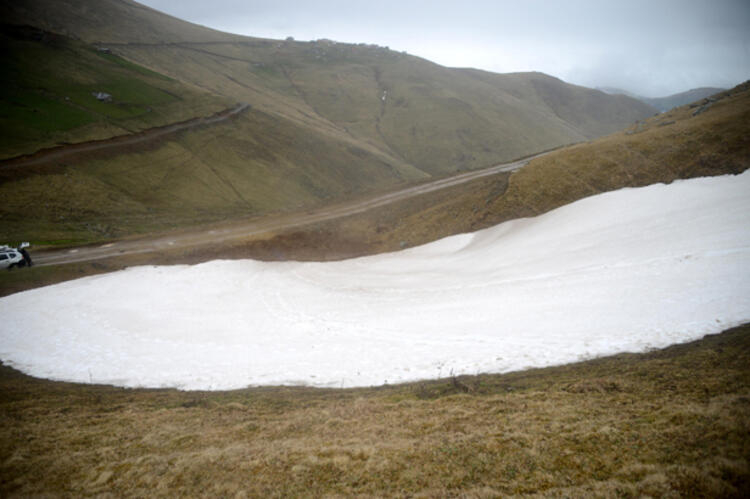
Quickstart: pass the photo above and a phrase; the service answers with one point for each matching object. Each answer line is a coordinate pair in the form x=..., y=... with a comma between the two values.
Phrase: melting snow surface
x=629, y=270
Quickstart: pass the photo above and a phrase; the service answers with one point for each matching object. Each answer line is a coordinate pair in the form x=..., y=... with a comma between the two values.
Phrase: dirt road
x=202, y=236
x=66, y=151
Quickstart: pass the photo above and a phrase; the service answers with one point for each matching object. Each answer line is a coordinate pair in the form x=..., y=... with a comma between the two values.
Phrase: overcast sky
x=650, y=47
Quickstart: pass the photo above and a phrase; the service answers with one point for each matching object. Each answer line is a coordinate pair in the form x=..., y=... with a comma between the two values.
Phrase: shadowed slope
x=250, y=165
x=49, y=93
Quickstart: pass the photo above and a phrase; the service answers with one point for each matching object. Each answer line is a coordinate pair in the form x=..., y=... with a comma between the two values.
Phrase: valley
x=281, y=268
x=328, y=122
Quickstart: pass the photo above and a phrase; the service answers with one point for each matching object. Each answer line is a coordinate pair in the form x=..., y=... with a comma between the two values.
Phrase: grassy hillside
x=328, y=120
x=250, y=165
x=437, y=119
x=47, y=94
x=668, y=423
x=709, y=137
x=704, y=138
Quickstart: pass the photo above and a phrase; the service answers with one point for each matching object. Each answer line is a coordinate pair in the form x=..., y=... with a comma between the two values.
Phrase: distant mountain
x=671, y=101
x=676, y=100
x=327, y=119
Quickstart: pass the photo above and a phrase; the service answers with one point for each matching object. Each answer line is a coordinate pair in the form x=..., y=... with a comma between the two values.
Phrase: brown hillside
x=327, y=121
x=437, y=119
x=709, y=137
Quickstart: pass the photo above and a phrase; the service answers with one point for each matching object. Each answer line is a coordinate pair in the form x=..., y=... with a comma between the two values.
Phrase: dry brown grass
x=675, y=145
x=669, y=423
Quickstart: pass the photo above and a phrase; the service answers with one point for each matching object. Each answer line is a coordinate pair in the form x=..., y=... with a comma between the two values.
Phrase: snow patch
x=630, y=270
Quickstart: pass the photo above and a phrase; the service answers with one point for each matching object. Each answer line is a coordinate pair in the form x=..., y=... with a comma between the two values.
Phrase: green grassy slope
x=46, y=96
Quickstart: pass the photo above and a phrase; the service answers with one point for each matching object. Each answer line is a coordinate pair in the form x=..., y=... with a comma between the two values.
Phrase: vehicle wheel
x=22, y=263
x=11, y=266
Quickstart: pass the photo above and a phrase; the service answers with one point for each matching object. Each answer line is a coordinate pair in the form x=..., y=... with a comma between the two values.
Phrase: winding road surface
x=61, y=152
x=202, y=236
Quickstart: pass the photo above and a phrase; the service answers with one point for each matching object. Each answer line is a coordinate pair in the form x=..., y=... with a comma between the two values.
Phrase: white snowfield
x=630, y=270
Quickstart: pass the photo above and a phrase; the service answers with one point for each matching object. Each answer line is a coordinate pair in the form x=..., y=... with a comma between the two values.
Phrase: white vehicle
x=12, y=257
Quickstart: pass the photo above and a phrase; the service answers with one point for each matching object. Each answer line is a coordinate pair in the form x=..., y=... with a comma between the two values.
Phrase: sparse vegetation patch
x=671, y=422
